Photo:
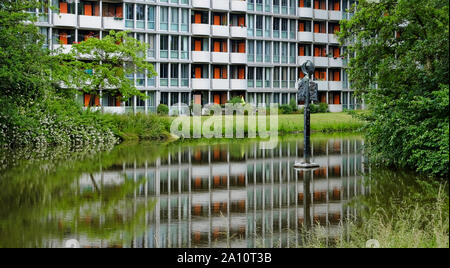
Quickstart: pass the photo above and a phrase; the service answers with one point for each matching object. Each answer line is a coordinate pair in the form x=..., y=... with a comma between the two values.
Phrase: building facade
x=209, y=51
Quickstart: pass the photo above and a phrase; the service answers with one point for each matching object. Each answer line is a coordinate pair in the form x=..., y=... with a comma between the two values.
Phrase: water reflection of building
x=233, y=196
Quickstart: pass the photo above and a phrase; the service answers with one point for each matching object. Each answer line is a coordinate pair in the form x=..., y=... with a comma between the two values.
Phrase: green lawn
x=292, y=123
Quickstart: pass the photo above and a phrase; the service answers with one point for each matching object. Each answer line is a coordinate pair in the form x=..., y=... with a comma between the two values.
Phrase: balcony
x=321, y=61
x=201, y=4
x=201, y=56
x=68, y=20
x=305, y=12
x=221, y=5
x=220, y=84
x=238, y=6
x=220, y=57
x=335, y=62
x=113, y=23
x=64, y=48
x=335, y=85
x=335, y=108
x=201, y=83
x=321, y=37
x=238, y=84
x=321, y=14
x=223, y=31
x=238, y=31
x=335, y=15
x=322, y=85
x=238, y=58
x=332, y=38
x=90, y=22
x=113, y=110
x=303, y=59
x=201, y=29
x=305, y=36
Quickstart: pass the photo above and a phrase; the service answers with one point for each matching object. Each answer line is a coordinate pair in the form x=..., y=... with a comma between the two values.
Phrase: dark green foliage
x=402, y=46
x=293, y=104
x=317, y=108
x=139, y=127
x=236, y=100
x=163, y=109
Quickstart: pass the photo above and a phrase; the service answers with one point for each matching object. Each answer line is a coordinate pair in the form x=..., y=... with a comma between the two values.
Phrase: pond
x=202, y=194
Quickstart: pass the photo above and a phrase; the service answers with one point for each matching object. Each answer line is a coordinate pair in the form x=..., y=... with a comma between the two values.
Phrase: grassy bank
x=154, y=127
x=293, y=123
x=401, y=211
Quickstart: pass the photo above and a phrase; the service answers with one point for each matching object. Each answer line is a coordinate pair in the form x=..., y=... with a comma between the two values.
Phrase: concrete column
x=146, y=104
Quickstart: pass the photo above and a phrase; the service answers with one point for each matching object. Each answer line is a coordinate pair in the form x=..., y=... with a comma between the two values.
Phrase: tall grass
x=400, y=212
x=139, y=127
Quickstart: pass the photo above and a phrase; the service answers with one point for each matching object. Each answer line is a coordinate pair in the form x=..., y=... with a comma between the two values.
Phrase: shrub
x=236, y=100
x=286, y=109
x=293, y=104
x=162, y=109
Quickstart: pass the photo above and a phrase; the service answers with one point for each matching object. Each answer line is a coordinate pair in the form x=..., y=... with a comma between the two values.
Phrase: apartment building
x=209, y=51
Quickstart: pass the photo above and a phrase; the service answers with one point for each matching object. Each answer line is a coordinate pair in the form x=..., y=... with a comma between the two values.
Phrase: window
x=88, y=8
x=220, y=72
x=129, y=15
x=174, y=47
x=268, y=75
x=184, y=47
x=268, y=26
x=259, y=25
x=174, y=19
x=304, y=26
x=276, y=77
x=164, y=19
x=305, y=3
x=251, y=25
x=151, y=18
x=268, y=52
x=174, y=74
x=304, y=50
x=184, y=20
x=251, y=51
x=151, y=45
x=140, y=16
x=276, y=52
x=259, y=51
x=259, y=77
x=164, y=74
x=184, y=75
x=164, y=46
x=251, y=77
x=320, y=51
x=319, y=27
x=276, y=28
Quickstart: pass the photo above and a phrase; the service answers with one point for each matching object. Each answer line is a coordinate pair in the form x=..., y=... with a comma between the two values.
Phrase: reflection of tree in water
x=40, y=204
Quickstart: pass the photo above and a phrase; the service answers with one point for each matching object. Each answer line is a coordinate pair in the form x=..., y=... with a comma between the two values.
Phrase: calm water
x=219, y=195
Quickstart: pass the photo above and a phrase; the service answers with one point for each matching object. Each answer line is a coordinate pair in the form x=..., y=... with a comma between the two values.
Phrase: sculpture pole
x=308, y=69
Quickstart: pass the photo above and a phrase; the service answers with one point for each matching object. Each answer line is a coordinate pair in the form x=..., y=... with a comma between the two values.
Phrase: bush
x=316, y=108
x=53, y=122
x=286, y=109
x=293, y=104
x=236, y=100
x=162, y=109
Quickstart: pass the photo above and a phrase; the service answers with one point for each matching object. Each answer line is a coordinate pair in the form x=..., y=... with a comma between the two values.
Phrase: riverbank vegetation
x=402, y=47
x=401, y=211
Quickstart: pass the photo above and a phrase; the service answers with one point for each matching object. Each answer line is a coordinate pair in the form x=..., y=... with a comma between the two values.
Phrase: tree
x=24, y=63
x=399, y=62
x=103, y=64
